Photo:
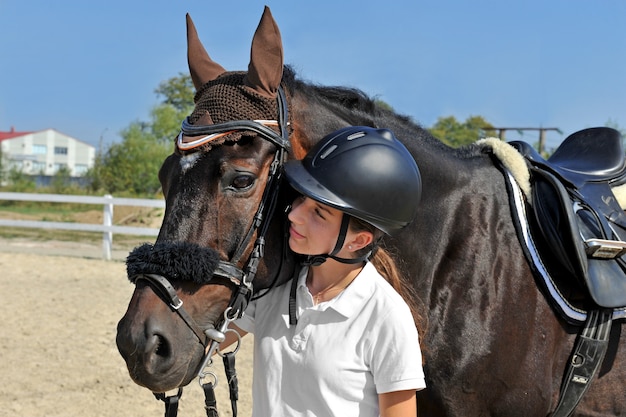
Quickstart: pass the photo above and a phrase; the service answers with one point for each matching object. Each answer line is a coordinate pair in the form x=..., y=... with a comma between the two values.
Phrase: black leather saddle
x=576, y=213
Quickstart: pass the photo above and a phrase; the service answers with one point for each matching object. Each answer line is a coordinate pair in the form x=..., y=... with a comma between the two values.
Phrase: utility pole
x=542, y=133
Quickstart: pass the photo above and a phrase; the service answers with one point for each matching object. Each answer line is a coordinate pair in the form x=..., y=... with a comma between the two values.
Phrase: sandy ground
x=60, y=304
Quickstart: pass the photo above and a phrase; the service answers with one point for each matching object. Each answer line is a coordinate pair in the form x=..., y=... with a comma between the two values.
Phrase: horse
x=493, y=345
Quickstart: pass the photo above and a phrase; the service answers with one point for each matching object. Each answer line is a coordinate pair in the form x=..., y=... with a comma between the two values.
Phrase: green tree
x=383, y=104
x=455, y=133
x=3, y=166
x=132, y=165
x=178, y=93
x=61, y=182
x=19, y=181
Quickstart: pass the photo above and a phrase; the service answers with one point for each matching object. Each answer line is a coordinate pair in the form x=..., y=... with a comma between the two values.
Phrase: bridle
x=229, y=269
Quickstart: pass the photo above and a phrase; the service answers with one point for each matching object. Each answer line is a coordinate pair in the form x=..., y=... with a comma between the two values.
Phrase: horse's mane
x=358, y=108
x=347, y=102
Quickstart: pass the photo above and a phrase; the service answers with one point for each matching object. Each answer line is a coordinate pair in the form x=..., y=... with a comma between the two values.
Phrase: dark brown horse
x=493, y=346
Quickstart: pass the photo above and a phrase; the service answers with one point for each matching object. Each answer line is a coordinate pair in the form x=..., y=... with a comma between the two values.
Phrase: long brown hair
x=386, y=265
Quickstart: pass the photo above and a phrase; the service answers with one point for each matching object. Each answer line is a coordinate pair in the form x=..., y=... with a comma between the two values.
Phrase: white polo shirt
x=340, y=355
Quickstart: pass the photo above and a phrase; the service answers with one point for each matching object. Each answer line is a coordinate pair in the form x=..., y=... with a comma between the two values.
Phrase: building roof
x=12, y=134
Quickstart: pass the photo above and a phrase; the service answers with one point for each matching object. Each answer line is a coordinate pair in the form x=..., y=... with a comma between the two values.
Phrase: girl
x=340, y=340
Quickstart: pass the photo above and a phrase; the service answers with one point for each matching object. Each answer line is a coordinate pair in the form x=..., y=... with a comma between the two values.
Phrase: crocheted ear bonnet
x=227, y=98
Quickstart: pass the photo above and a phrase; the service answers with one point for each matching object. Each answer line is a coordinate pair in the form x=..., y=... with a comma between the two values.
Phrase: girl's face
x=314, y=227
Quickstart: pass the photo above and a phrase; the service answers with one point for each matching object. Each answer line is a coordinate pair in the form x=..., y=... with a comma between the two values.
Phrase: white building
x=43, y=153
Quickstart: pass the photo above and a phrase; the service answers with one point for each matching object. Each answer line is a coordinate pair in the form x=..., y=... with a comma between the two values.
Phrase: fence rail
x=107, y=228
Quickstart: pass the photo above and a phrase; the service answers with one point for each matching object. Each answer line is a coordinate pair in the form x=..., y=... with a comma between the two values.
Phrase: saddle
x=576, y=213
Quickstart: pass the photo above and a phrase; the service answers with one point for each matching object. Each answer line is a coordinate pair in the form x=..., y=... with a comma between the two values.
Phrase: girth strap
x=587, y=357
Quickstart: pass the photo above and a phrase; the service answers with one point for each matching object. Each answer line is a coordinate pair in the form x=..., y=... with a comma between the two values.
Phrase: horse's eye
x=242, y=182
x=237, y=180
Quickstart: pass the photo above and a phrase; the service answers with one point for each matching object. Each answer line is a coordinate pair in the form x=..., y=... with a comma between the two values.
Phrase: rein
x=242, y=278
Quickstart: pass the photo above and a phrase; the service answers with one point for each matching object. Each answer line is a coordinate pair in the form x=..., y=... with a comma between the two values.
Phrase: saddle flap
x=606, y=275
x=557, y=223
x=607, y=282
x=566, y=232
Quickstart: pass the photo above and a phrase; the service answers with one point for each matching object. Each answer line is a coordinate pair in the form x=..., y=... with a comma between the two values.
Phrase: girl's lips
x=294, y=234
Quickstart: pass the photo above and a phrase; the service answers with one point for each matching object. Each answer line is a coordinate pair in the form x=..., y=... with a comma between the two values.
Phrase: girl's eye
x=319, y=213
x=297, y=201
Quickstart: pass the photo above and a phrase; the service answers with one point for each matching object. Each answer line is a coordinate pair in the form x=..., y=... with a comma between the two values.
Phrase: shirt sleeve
x=246, y=322
x=395, y=355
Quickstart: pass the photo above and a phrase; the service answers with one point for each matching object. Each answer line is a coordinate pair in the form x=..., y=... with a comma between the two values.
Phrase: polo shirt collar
x=351, y=300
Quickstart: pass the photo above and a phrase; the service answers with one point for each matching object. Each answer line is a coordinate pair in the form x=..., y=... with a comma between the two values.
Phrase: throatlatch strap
x=586, y=359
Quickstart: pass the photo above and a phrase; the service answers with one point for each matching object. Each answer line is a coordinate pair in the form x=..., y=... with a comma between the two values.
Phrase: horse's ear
x=265, y=69
x=201, y=67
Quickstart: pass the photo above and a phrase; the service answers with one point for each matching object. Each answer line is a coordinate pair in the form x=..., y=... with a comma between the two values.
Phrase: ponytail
x=387, y=267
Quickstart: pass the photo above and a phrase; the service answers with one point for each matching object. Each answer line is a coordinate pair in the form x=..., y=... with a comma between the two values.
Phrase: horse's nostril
x=157, y=354
x=163, y=348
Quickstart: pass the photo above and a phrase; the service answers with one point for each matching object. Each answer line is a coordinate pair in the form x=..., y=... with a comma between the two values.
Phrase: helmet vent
x=328, y=151
x=356, y=135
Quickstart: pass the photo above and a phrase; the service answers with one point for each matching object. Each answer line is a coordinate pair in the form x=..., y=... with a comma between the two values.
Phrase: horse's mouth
x=160, y=379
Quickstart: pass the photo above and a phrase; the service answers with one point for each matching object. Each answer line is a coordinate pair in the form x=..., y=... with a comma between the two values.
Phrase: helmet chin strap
x=316, y=260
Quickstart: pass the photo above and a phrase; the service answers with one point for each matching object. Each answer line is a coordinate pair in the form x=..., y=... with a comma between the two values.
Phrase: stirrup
x=605, y=249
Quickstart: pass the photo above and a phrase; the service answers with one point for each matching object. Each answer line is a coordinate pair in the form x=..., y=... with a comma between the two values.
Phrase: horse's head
x=220, y=187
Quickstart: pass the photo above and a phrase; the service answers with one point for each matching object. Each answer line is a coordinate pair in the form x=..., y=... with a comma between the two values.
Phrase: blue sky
x=89, y=69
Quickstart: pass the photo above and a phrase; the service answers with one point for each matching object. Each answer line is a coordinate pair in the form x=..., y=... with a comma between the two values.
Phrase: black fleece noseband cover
x=173, y=260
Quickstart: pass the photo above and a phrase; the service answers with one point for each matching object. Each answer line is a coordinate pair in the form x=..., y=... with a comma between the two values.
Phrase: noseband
x=229, y=269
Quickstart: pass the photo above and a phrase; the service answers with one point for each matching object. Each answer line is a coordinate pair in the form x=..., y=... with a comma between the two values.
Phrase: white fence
x=107, y=228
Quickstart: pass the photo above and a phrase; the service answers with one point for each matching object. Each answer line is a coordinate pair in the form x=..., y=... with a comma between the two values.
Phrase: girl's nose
x=294, y=214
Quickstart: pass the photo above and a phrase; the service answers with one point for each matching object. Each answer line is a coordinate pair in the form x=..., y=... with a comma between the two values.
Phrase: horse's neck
x=311, y=119
x=310, y=122
x=444, y=170
x=453, y=182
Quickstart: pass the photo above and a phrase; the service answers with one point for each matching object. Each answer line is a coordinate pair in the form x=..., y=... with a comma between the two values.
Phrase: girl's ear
x=360, y=240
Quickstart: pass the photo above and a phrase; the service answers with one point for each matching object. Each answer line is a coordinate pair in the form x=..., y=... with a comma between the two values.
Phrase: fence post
x=107, y=236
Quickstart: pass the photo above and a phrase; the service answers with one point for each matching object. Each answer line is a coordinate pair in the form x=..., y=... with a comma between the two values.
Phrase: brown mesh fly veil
x=227, y=98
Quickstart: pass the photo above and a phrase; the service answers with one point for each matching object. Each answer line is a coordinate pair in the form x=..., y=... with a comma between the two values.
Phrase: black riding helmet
x=364, y=172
